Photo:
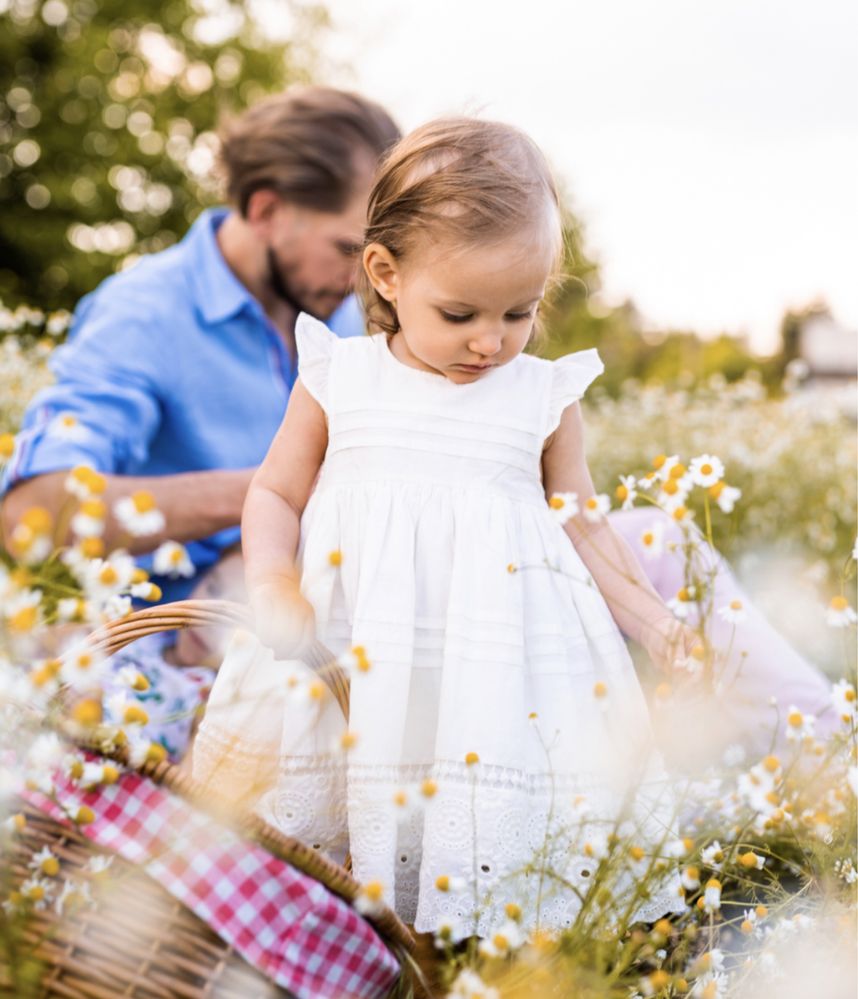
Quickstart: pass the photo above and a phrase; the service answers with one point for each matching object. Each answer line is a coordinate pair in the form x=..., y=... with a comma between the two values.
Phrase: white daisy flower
x=627, y=491
x=839, y=614
x=72, y=609
x=652, y=540
x=370, y=898
x=504, y=940
x=38, y=891
x=67, y=427
x=469, y=985
x=98, y=864
x=712, y=895
x=139, y=514
x=73, y=895
x=44, y=863
x=595, y=508
x=798, y=725
x=106, y=578
x=448, y=931
x=713, y=855
x=733, y=613
x=727, y=498
x=116, y=607
x=23, y=611
x=30, y=542
x=843, y=699
x=124, y=710
x=445, y=883
x=84, y=482
x=563, y=506
x=663, y=466
x=354, y=660
x=172, y=559
x=82, y=667
x=90, y=519
x=682, y=603
x=706, y=470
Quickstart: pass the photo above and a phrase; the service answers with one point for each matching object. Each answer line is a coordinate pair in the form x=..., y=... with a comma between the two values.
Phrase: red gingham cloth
x=302, y=936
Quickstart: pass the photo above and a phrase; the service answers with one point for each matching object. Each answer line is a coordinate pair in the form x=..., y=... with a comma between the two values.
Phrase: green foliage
x=106, y=145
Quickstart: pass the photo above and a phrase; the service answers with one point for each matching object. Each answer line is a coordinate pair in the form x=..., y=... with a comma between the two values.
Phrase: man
x=177, y=372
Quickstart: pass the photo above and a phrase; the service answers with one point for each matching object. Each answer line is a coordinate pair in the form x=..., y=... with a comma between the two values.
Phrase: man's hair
x=307, y=144
x=463, y=180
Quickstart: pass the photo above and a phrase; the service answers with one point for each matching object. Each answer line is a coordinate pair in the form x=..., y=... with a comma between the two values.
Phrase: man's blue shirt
x=171, y=366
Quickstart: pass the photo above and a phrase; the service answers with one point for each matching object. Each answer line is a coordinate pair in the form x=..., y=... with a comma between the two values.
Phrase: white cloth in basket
x=485, y=633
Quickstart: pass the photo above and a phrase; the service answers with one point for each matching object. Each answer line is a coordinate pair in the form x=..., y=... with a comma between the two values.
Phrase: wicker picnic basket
x=152, y=946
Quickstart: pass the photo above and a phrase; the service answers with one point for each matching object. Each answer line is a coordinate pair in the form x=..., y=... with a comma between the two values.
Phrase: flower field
x=761, y=850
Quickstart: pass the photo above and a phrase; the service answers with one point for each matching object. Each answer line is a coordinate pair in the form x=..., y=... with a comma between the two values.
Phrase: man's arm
x=194, y=504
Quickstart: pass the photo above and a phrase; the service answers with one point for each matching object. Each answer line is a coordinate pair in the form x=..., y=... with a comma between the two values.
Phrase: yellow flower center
x=839, y=603
x=648, y=538
x=108, y=575
x=92, y=548
x=716, y=489
x=748, y=860
x=156, y=753
x=176, y=556
x=94, y=508
x=600, y=689
x=84, y=816
x=680, y=513
x=683, y=594
x=442, y=882
x=316, y=690
x=472, y=758
x=658, y=461
x=38, y=520
x=736, y=605
x=7, y=446
x=513, y=910
x=134, y=714
x=335, y=558
x=24, y=619
x=706, y=468
x=50, y=866
x=622, y=492
x=373, y=890
x=771, y=763
x=139, y=576
x=795, y=719
x=747, y=926
x=849, y=694
x=636, y=852
x=428, y=788
x=68, y=421
x=400, y=798
x=557, y=502
x=677, y=471
x=143, y=501
x=500, y=941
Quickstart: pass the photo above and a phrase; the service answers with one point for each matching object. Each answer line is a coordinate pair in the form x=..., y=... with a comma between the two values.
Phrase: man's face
x=312, y=255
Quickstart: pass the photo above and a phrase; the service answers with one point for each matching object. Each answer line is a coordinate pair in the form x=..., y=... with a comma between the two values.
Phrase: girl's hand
x=284, y=619
x=669, y=642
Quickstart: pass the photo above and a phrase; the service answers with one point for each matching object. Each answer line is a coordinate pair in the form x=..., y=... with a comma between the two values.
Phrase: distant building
x=828, y=349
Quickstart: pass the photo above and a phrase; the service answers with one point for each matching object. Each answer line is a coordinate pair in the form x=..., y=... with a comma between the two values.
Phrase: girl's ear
x=382, y=270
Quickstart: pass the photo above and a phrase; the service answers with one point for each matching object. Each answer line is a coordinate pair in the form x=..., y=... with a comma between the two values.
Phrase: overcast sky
x=710, y=146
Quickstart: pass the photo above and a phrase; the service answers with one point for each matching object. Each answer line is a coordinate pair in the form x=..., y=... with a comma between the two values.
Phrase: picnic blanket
x=288, y=925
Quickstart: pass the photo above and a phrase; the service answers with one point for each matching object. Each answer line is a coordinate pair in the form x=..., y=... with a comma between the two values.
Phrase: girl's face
x=462, y=312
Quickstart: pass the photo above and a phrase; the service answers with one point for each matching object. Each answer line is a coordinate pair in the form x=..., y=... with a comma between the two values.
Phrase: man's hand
x=285, y=621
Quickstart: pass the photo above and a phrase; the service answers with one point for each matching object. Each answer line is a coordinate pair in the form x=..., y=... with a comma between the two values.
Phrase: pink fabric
x=770, y=666
x=302, y=936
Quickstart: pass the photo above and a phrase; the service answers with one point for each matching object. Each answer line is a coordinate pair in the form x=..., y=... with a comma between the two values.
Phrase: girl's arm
x=636, y=607
x=270, y=522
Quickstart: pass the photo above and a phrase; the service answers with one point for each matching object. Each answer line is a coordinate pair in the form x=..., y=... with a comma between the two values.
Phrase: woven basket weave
x=151, y=945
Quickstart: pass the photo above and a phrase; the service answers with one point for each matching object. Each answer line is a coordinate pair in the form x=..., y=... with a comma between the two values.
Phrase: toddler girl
x=496, y=722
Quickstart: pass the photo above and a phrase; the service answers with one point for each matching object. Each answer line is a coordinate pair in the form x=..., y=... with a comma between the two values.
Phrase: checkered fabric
x=302, y=936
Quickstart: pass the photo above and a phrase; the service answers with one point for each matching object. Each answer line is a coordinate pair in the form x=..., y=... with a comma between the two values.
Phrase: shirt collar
x=220, y=295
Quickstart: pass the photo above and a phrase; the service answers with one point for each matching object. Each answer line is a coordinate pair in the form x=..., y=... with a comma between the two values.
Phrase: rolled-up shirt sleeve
x=103, y=409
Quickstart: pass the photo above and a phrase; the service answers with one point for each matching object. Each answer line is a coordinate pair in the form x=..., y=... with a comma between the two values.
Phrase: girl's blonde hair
x=463, y=178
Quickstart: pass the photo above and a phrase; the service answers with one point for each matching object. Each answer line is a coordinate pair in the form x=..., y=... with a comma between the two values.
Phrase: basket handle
x=115, y=635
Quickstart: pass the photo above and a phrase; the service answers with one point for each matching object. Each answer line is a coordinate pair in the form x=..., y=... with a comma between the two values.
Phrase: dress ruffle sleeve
x=572, y=376
x=315, y=343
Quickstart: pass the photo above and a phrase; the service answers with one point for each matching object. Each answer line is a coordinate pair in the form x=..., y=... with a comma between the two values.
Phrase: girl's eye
x=454, y=317
x=519, y=316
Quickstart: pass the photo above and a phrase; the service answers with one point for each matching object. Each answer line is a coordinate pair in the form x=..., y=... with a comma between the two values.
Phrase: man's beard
x=282, y=289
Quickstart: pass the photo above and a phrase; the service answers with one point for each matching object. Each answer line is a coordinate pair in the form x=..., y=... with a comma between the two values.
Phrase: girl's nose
x=486, y=344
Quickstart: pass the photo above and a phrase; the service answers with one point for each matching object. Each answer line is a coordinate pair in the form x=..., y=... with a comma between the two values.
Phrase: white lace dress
x=485, y=635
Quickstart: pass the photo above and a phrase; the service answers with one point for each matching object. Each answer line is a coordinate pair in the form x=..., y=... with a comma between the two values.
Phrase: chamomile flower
x=73, y=895
x=626, y=491
x=90, y=519
x=733, y=613
x=798, y=725
x=445, y=883
x=139, y=514
x=469, y=985
x=839, y=613
x=355, y=660
x=563, y=506
x=31, y=539
x=652, y=540
x=172, y=559
x=84, y=482
x=72, y=609
x=82, y=667
x=106, y=578
x=44, y=863
x=706, y=470
x=448, y=931
x=23, y=611
x=505, y=940
x=712, y=895
x=370, y=898
x=843, y=699
x=682, y=603
x=725, y=496
x=116, y=607
x=596, y=507
x=67, y=427
x=37, y=891
x=713, y=855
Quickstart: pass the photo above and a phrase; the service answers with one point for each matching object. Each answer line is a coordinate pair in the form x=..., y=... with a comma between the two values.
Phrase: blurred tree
x=106, y=116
